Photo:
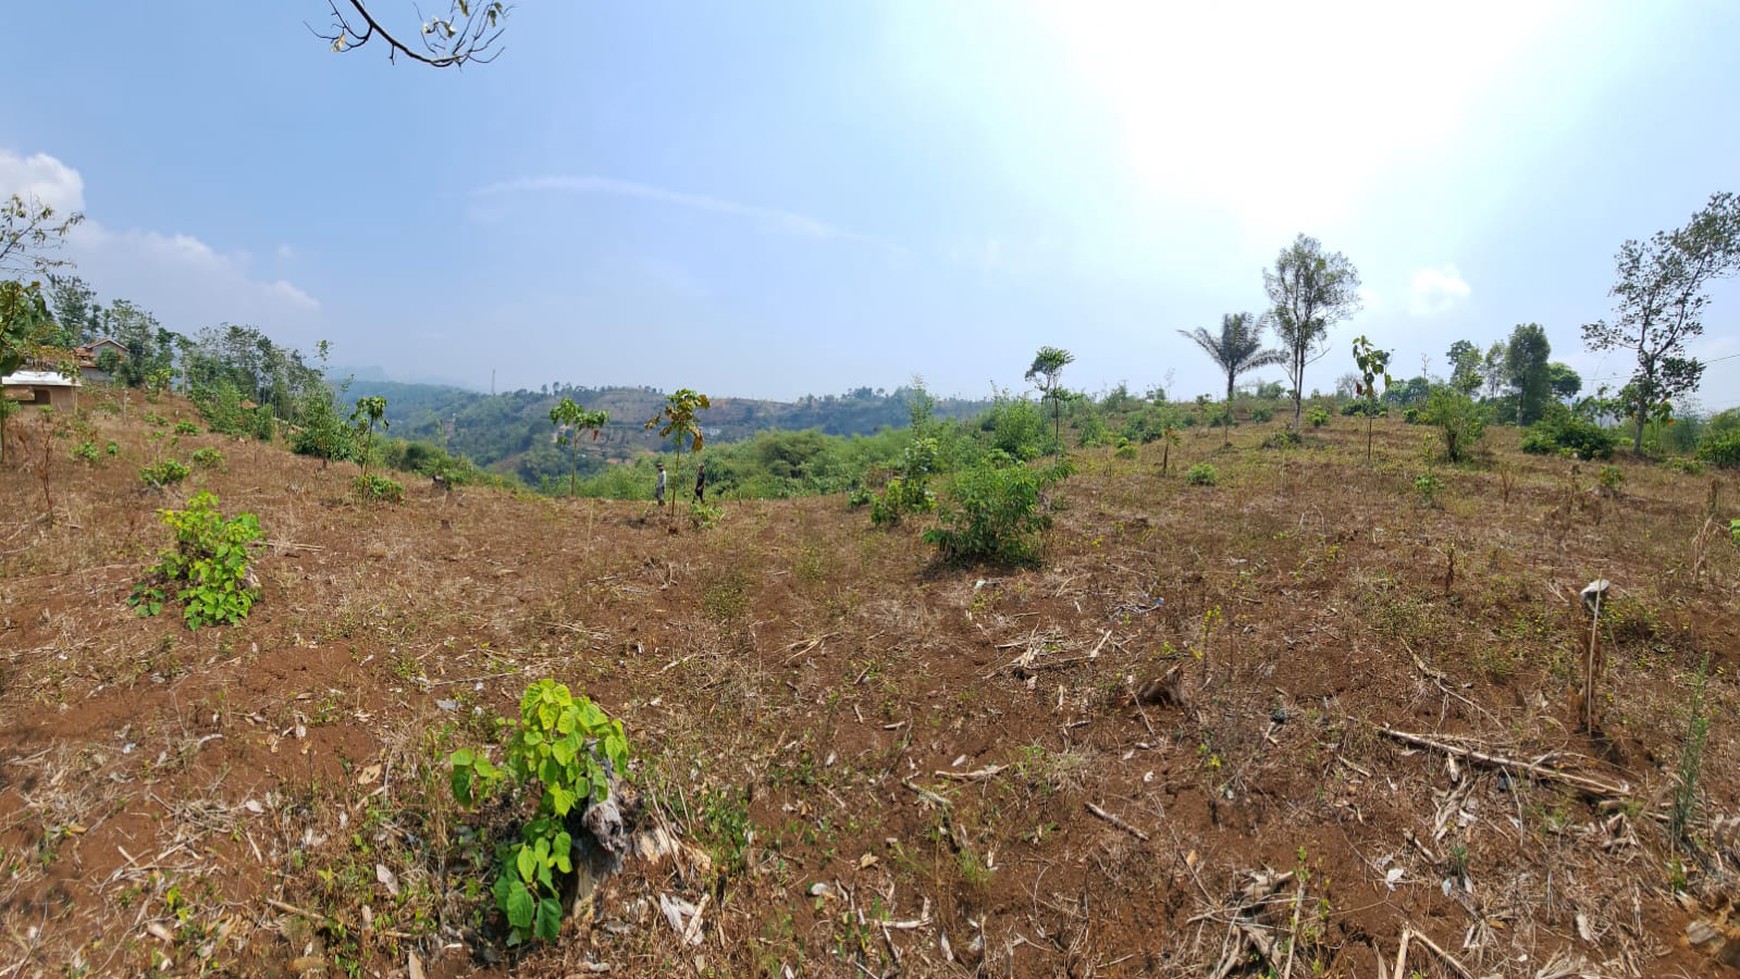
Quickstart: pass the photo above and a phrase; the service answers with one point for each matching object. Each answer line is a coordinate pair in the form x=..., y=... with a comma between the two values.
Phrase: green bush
x=1262, y=413
x=569, y=747
x=1461, y=422
x=86, y=452
x=1734, y=531
x=1721, y=448
x=1202, y=474
x=910, y=491
x=1125, y=450
x=186, y=428
x=995, y=514
x=1428, y=486
x=208, y=458
x=207, y=570
x=161, y=474
x=374, y=486
x=1018, y=427
x=1561, y=431
x=1286, y=438
x=1684, y=466
x=1318, y=417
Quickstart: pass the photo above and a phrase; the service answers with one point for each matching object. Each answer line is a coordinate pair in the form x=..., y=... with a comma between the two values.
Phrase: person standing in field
x=659, y=487
x=701, y=483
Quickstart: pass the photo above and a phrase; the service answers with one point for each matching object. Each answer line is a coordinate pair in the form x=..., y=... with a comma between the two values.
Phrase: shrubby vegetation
x=995, y=512
x=207, y=569
x=1561, y=431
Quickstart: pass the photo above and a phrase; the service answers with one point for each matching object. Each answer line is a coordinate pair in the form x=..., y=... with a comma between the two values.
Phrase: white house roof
x=38, y=379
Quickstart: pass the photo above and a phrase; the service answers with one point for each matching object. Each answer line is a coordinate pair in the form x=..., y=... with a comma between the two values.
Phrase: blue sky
x=772, y=199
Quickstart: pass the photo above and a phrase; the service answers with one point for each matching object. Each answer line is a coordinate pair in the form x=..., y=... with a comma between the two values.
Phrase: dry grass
x=889, y=764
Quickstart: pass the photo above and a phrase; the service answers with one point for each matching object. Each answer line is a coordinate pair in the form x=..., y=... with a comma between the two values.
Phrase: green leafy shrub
x=1734, y=531
x=995, y=514
x=1018, y=427
x=86, y=452
x=860, y=496
x=1721, y=449
x=910, y=491
x=1460, y=421
x=161, y=474
x=208, y=458
x=1683, y=466
x=1202, y=474
x=1284, y=439
x=186, y=428
x=1125, y=449
x=1318, y=417
x=207, y=570
x=1428, y=486
x=380, y=488
x=1559, y=431
x=1262, y=413
x=704, y=516
x=111, y=450
x=1611, y=477
x=569, y=747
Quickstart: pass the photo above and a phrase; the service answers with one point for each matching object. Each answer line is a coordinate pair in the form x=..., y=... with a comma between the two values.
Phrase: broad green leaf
x=520, y=907
x=526, y=862
x=549, y=919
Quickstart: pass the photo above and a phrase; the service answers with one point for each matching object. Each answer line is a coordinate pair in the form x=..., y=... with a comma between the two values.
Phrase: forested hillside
x=511, y=432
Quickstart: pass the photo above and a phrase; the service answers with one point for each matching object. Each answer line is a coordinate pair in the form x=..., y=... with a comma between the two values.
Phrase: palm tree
x=1238, y=348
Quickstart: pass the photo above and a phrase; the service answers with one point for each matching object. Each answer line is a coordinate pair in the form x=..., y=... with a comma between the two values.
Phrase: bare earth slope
x=874, y=764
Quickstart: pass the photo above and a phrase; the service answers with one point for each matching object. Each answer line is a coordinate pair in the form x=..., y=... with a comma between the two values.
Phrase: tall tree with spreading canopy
x=1046, y=374
x=1236, y=349
x=1526, y=359
x=467, y=34
x=1311, y=291
x=24, y=320
x=1659, y=302
x=1465, y=367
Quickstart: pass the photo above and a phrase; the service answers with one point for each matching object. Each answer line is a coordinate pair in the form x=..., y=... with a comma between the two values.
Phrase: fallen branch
x=1443, y=956
x=1591, y=786
x=1115, y=821
x=980, y=775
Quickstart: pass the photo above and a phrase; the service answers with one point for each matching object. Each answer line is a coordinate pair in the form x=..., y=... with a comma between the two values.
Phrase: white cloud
x=1436, y=291
x=43, y=177
x=773, y=219
x=186, y=282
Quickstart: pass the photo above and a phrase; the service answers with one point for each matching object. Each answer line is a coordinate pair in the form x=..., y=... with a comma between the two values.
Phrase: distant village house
x=90, y=358
x=42, y=389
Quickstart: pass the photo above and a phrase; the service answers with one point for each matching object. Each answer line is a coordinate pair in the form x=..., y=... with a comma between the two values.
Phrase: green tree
x=676, y=421
x=1458, y=418
x=369, y=413
x=1564, y=382
x=1525, y=367
x=77, y=316
x=467, y=34
x=1045, y=374
x=1311, y=291
x=1373, y=364
x=1465, y=367
x=570, y=420
x=24, y=320
x=1238, y=348
x=1659, y=302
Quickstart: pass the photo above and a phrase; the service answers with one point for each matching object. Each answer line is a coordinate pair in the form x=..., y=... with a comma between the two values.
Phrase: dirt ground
x=1295, y=723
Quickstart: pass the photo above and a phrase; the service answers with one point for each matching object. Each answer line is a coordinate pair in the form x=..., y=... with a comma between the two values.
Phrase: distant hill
x=511, y=431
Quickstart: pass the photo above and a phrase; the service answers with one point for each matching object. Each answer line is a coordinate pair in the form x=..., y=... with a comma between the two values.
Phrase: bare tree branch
x=28, y=234
x=467, y=34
